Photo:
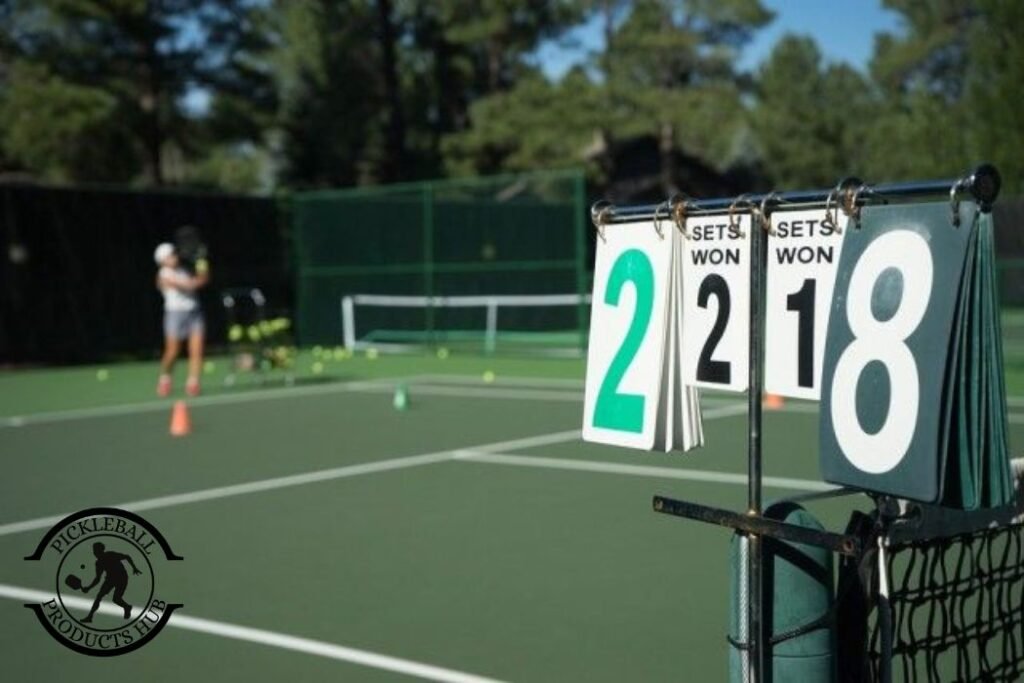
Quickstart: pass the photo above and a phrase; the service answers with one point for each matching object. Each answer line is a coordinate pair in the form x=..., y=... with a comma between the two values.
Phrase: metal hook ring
x=829, y=221
x=600, y=212
x=679, y=204
x=954, y=200
x=656, y=219
x=766, y=219
x=734, y=223
x=854, y=206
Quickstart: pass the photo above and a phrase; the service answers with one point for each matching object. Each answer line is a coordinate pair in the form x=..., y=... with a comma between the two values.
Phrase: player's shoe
x=163, y=386
x=192, y=386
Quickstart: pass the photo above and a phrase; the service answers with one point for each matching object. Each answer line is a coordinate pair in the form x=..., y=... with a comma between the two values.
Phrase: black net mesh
x=954, y=609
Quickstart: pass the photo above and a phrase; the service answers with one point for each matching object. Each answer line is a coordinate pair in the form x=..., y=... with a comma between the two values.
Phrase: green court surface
x=470, y=537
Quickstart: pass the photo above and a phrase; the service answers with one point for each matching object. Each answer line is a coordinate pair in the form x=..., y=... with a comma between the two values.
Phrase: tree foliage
x=124, y=68
x=247, y=94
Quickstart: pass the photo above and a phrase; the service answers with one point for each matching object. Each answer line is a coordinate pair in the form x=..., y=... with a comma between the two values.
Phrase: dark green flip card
x=983, y=425
x=970, y=382
x=887, y=350
x=953, y=452
x=998, y=451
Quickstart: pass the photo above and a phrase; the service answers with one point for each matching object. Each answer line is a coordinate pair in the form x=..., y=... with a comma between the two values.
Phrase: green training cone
x=401, y=399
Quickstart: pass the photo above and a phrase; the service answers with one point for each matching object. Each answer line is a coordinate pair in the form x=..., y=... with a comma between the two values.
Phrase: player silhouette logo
x=109, y=565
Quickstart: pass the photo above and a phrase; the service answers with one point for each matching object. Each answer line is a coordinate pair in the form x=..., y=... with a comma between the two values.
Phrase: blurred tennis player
x=183, y=318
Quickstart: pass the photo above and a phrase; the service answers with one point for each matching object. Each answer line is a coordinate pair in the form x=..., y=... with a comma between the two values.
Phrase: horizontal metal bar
x=761, y=526
x=470, y=301
x=982, y=184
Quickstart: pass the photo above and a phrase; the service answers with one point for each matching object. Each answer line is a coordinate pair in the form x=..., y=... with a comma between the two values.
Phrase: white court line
x=383, y=385
x=164, y=404
x=283, y=641
x=298, y=479
x=509, y=380
x=482, y=392
x=332, y=473
x=472, y=455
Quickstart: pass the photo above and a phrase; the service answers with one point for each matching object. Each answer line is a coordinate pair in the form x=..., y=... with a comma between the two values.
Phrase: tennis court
x=328, y=536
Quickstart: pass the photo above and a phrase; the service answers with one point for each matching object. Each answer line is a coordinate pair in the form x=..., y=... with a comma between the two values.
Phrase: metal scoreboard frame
x=981, y=185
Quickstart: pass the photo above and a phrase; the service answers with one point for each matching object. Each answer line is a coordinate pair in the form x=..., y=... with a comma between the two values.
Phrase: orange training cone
x=181, y=425
x=773, y=402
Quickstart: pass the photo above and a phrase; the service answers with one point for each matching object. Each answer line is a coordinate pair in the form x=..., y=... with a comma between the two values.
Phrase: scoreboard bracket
x=982, y=184
x=843, y=544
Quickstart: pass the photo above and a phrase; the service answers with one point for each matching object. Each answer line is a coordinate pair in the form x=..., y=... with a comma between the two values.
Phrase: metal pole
x=428, y=256
x=755, y=555
x=579, y=225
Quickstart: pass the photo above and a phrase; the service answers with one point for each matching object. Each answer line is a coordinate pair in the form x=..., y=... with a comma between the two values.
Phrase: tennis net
x=541, y=323
x=944, y=595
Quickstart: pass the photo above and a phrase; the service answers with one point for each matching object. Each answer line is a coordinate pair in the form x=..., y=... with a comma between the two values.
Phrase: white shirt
x=174, y=298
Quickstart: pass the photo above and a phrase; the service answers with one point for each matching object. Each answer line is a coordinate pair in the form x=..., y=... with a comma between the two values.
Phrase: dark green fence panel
x=514, y=234
x=77, y=272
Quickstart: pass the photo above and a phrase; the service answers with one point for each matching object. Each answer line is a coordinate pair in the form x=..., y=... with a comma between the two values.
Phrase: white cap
x=162, y=252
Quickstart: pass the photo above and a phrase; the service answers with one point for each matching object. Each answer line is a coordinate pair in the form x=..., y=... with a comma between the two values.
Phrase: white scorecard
x=803, y=255
x=628, y=329
x=716, y=302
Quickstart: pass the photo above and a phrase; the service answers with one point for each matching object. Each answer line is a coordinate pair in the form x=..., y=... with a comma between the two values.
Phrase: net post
x=755, y=572
x=348, y=322
x=298, y=262
x=579, y=225
x=491, y=332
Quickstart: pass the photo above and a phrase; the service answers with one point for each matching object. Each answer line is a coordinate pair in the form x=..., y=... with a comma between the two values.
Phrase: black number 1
x=717, y=371
x=802, y=301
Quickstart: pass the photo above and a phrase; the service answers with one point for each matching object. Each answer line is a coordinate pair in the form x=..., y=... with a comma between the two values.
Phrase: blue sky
x=843, y=29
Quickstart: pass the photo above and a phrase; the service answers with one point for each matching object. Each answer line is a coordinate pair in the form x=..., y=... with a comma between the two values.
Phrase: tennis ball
x=339, y=353
x=318, y=367
x=371, y=354
x=209, y=367
x=235, y=333
x=318, y=351
x=266, y=328
x=254, y=333
x=488, y=376
x=442, y=353
x=102, y=375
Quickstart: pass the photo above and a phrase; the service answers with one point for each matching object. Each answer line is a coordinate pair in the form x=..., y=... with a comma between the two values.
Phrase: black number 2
x=717, y=371
x=802, y=301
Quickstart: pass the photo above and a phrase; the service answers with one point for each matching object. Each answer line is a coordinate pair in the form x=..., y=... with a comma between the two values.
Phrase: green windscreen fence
x=500, y=236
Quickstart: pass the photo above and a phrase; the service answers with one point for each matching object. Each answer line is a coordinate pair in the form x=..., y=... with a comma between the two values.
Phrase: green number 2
x=625, y=412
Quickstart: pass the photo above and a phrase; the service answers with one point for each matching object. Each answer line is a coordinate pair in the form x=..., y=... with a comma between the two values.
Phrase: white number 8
x=883, y=341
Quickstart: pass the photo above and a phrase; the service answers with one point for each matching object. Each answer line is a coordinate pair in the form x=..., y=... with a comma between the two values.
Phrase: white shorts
x=182, y=324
